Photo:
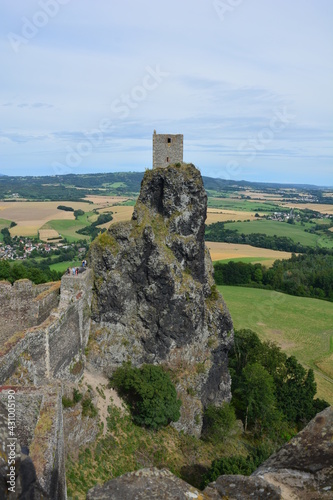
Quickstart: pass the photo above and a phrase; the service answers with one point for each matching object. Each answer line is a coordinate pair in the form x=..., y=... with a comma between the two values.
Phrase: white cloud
x=225, y=80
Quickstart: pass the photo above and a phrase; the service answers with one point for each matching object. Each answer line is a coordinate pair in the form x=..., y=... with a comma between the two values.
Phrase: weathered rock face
x=152, y=484
x=303, y=468
x=242, y=488
x=154, y=295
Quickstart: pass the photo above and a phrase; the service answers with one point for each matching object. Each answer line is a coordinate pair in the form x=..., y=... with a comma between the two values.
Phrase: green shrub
x=150, y=393
x=238, y=464
x=218, y=422
x=66, y=209
x=229, y=465
x=78, y=213
x=88, y=409
x=190, y=391
x=67, y=402
x=77, y=396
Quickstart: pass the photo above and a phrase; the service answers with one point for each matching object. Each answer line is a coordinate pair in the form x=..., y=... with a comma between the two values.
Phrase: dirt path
x=101, y=382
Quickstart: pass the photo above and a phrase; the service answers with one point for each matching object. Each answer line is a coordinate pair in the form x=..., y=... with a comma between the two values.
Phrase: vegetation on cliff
x=224, y=448
x=150, y=393
x=272, y=393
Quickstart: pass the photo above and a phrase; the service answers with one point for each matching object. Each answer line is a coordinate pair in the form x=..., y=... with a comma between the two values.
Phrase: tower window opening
x=168, y=159
x=169, y=140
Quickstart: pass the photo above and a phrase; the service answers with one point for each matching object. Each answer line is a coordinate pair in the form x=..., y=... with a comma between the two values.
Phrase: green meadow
x=62, y=266
x=301, y=326
x=245, y=205
x=294, y=231
x=68, y=228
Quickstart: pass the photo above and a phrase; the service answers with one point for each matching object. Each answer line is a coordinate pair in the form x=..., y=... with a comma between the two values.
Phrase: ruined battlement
x=53, y=349
x=24, y=305
x=167, y=149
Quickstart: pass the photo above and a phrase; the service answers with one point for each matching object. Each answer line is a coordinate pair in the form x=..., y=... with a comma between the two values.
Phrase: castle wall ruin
x=39, y=439
x=55, y=348
x=24, y=305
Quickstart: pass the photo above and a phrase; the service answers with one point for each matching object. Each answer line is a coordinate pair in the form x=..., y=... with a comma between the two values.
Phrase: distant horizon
x=323, y=186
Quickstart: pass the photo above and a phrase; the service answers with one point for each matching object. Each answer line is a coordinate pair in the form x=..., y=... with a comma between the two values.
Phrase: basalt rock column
x=154, y=295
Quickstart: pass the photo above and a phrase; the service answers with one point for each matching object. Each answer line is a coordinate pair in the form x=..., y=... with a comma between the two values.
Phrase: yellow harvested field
x=120, y=214
x=32, y=215
x=222, y=215
x=222, y=251
x=106, y=200
x=318, y=207
x=261, y=196
x=46, y=234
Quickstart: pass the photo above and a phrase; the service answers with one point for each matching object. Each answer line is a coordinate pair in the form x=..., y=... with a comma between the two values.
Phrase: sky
x=248, y=82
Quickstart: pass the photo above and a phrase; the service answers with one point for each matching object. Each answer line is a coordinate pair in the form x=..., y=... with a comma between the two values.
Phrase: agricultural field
x=67, y=228
x=323, y=208
x=106, y=200
x=301, y=326
x=261, y=195
x=120, y=213
x=244, y=253
x=48, y=234
x=30, y=216
x=294, y=231
x=243, y=205
x=219, y=215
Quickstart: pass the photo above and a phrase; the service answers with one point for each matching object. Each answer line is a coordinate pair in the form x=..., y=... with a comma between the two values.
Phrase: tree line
x=218, y=232
x=27, y=270
x=93, y=230
x=309, y=275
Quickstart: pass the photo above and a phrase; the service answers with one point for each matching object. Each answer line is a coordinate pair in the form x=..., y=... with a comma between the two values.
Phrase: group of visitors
x=76, y=270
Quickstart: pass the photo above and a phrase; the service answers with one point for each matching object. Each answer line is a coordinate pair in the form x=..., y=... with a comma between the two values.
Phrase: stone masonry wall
x=167, y=149
x=39, y=433
x=23, y=305
x=55, y=348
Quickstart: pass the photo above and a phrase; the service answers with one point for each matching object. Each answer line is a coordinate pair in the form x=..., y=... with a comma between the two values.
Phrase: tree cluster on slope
x=309, y=275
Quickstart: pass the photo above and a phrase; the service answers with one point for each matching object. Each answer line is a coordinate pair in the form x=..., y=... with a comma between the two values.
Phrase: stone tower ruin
x=167, y=149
